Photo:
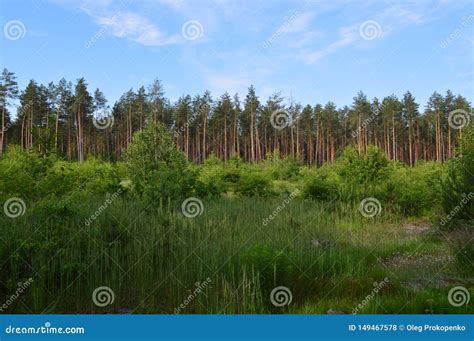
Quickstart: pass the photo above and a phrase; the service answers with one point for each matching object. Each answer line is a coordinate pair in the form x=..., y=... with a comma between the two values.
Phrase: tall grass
x=153, y=258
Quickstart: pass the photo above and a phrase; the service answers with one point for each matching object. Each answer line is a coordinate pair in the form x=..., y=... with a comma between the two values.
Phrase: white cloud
x=305, y=39
x=135, y=27
x=298, y=22
x=393, y=18
x=348, y=35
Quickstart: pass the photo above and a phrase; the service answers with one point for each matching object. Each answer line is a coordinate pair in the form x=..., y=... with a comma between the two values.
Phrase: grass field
x=328, y=256
x=157, y=234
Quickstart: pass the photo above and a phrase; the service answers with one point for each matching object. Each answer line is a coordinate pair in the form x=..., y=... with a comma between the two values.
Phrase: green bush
x=458, y=187
x=157, y=169
x=416, y=189
x=364, y=168
x=20, y=171
x=253, y=183
x=281, y=169
x=318, y=188
x=213, y=177
x=91, y=176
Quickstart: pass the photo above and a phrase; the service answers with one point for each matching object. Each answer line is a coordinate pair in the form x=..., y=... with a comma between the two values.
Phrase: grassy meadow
x=275, y=237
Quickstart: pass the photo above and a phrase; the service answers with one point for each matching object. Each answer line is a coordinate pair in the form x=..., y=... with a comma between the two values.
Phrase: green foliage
x=416, y=189
x=29, y=175
x=458, y=188
x=253, y=183
x=463, y=247
x=91, y=176
x=214, y=177
x=318, y=188
x=281, y=169
x=370, y=167
x=273, y=266
x=20, y=172
x=157, y=169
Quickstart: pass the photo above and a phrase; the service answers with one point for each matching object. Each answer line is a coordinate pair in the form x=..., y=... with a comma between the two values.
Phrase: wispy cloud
x=122, y=22
x=348, y=35
x=136, y=28
x=391, y=19
x=299, y=23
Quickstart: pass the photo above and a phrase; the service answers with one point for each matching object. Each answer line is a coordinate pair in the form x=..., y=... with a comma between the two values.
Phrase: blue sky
x=311, y=51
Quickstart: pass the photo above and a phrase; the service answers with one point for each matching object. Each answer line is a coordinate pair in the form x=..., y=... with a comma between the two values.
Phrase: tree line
x=74, y=122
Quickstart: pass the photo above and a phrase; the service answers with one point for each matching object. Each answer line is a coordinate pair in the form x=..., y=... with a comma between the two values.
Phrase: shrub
x=281, y=169
x=91, y=176
x=157, y=169
x=213, y=178
x=370, y=167
x=416, y=189
x=318, y=188
x=20, y=171
x=253, y=183
x=459, y=184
